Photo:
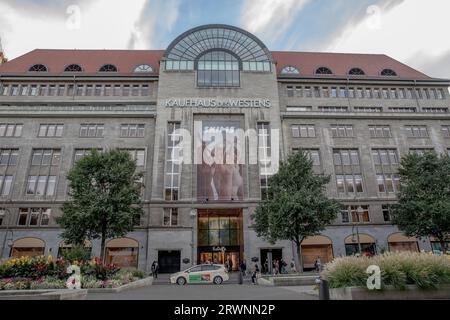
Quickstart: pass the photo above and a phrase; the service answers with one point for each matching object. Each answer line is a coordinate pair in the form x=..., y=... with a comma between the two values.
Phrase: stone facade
x=152, y=236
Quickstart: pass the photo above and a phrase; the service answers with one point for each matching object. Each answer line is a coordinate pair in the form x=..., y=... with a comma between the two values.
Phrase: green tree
x=104, y=198
x=423, y=208
x=296, y=206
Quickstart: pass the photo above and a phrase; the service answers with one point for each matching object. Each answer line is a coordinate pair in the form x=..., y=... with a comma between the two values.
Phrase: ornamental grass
x=398, y=269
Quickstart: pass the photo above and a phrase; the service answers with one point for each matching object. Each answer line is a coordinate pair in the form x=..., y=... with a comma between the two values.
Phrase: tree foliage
x=297, y=206
x=104, y=198
x=423, y=208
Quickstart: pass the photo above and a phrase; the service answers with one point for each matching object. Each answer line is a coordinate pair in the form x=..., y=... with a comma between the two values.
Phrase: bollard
x=241, y=278
x=324, y=290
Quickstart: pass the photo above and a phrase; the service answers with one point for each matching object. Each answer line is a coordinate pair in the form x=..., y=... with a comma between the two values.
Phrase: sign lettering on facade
x=217, y=103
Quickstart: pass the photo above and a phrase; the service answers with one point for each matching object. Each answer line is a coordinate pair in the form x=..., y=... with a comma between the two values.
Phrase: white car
x=204, y=273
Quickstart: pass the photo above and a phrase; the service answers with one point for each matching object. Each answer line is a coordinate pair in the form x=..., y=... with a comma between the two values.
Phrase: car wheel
x=218, y=280
x=181, y=281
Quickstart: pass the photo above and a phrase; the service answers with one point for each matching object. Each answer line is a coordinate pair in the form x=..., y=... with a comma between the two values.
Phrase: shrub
x=400, y=269
x=98, y=269
x=48, y=283
x=77, y=253
x=138, y=274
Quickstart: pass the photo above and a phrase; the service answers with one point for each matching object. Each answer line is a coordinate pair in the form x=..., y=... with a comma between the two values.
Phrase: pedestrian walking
x=293, y=269
x=255, y=274
x=155, y=268
x=243, y=267
x=318, y=265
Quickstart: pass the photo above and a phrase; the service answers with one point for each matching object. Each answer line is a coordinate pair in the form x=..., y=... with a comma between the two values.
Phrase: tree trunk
x=102, y=247
x=298, y=242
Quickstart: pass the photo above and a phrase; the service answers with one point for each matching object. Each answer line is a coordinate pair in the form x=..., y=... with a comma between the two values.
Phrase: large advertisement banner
x=219, y=176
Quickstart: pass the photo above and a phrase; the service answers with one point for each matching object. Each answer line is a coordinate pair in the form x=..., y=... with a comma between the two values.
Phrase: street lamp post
x=193, y=215
x=360, y=213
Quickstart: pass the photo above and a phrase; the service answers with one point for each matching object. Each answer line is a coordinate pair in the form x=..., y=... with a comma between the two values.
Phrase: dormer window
x=323, y=71
x=108, y=68
x=356, y=72
x=73, y=68
x=38, y=68
x=143, y=68
x=388, y=73
x=290, y=70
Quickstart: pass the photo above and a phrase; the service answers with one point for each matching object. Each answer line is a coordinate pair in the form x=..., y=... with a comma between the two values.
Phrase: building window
x=5, y=185
x=368, y=93
x=46, y=157
x=313, y=154
x=377, y=93
x=323, y=71
x=303, y=131
x=52, y=90
x=38, y=68
x=24, y=90
x=108, y=68
x=42, y=90
x=333, y=109
x=290, y=70
x=145, y=90
x=138, y=155
x=348, y=171
x=218, y=69
x=393, y=93
x=132, y=130
x=34, y=217
x=33, y=90
x=41, y=185
x=441, y=94
x=10, y=130
x=2, y=215
x=386, y=166
x=356, y=72
x=385, y=93
x=420, y=151
x=386, y=210
x=294, y=91
x=145, y=68
x=173, y=162
x=264, y=157
x=73, y=68
x=80, y=153
x=51, y=130
x=388, y=73
x=342, y=131
x=349, y=214
x=298, y=109
x=333, y=92
x=170, y=217
x=5, y=89
x=446, y=131
x=416, y=131
x=343, y=92
x=435, y=110
x=116, y=90
x=91, y=130
x=403, y=109
x=368, y=109
x=9, y=157
x=380, y=131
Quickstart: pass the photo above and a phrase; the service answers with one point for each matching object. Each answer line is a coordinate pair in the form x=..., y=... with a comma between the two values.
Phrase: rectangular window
x=446, y=131
x=5, y=89
x=24, y=90
x=34, y=217
x=2, y=215
x=325, y=92
x=359, y=93
x=386, y=166
x=403, y=109
x=394, y=93
x=117, y=90
x=435, y=110
x=303, y=131
x=348, y=171
x=333, y=109
x=9, y=157
x=51, y=130
x=14, y=90
x=135, y=90
x=52, y=90
x=173, y=162
x=5, y=185
x=91, y=130
x=416, y=131
x=385, y=93
x=108, y=90
x=351, y=93
x=342, y=92
x=46, y=157
x=355, y=214
x=420, y=151
x=79, y=90
x=138, y=155
x=401, y=94
x=377, y=93
x=368, y=93
x=80, y=153
x=386, y=210
x=42, y=90
x=126, y=90
x=10, y=130
x=61, y=90
x=334, y=92
x=145, y=90
x=368, y=109
x=41, y=185
x=342, y=131
x=132, y=130
x=170, y=217
x=98, y=90
x=33, y=90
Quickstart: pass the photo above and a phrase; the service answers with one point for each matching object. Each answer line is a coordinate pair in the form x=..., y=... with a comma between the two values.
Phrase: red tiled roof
x=341, y=63
x=90, y=60
x=127, y=60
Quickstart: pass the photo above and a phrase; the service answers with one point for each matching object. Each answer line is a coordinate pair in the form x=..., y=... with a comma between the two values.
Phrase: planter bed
x=390, y=293
x=288, y=280
x=61, y=294
x=132, y=285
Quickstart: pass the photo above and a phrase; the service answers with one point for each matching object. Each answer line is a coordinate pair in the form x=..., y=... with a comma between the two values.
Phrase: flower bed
x=398, y=270
x=44, y=273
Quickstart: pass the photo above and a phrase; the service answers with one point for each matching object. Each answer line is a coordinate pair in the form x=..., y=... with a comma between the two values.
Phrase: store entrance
x=275, y=254
x=220, y=236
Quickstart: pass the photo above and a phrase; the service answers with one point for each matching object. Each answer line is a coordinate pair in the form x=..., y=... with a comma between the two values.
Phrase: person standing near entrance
x=243, y=267
x=318, y=265
x=155, y=268
x=293, y=269
x=255, y=274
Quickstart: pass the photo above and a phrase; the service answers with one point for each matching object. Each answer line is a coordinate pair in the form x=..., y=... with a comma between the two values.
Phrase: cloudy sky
x=412, y=31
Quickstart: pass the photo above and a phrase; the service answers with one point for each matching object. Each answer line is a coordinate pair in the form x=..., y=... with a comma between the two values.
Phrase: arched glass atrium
x=219, y=53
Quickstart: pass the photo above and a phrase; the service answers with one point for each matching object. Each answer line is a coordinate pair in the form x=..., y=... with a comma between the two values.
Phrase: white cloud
x=412, y=31
x=270, y=18
x=104, y=24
